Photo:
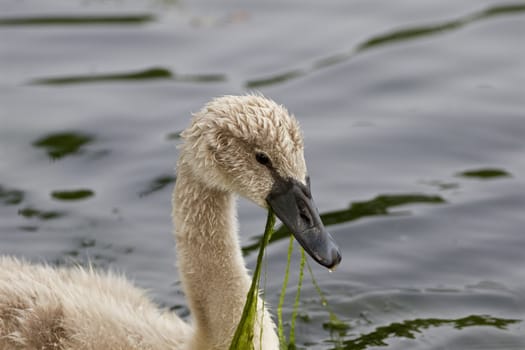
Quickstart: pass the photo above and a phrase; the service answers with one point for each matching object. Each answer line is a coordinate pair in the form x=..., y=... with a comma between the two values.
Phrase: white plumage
x=56, y=308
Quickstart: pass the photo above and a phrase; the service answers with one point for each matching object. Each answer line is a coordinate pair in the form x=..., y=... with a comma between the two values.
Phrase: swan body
x=57, y=308
x=246, y=145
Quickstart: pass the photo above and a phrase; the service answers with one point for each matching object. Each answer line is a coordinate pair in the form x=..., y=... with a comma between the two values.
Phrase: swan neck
x=209, y=258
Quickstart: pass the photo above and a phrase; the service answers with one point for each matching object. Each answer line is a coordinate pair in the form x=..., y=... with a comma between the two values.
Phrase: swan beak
x=293, y=204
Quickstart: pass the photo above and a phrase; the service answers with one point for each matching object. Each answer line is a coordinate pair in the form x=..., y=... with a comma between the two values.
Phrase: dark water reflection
x=413, y=328
x=158, y=184
x=32, y=213
x=10, y=196
x=424, y=31
x=420, y=131
x=147, y=74
x=72, y=195
x=487, y=173
x=58, y=145
x=76, y=20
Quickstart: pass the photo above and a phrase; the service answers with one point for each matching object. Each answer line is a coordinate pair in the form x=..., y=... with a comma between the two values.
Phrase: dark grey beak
x=292, y=202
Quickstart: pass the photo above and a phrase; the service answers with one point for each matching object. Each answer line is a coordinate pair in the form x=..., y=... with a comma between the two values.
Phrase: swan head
x=252, y=146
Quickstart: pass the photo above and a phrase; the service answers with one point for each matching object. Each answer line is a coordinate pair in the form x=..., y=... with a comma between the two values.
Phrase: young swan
x=236, y=144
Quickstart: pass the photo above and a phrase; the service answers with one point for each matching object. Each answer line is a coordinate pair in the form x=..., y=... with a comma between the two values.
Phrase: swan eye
x=262, y=158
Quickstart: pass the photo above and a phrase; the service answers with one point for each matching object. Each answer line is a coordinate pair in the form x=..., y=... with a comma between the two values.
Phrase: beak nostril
x=306, y=219
x=305, y=214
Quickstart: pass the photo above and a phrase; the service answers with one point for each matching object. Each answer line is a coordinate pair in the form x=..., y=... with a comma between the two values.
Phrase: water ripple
x=392, y=37
x=154, y=73
x=77, y=20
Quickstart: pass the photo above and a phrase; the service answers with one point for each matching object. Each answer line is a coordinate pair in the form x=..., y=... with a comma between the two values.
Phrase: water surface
x=413, y=113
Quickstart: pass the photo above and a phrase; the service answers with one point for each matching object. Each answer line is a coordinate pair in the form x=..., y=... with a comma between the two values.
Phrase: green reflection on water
x=274, y=79
x=10, y=196
x=200, y=78
x=389, y=38
x=485, y=173
x=77, y=20
x=154, y=73
x=377, y=206
x=413, y=33
x=62, y=144
x=158, y=184
x=72, y=195
x=410, y=328
x=30, y=213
